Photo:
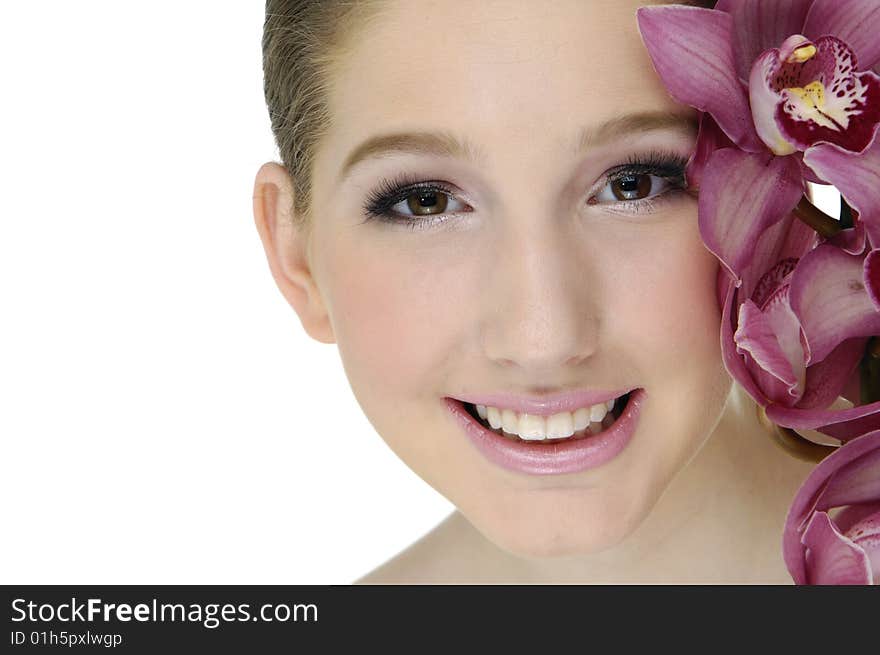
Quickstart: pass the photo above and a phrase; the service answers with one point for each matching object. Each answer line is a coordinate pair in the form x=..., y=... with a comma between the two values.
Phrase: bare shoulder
x=430, y=560
x=407, y=567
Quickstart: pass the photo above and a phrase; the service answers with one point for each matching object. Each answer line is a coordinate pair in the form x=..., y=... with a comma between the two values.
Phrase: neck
x=720, y=520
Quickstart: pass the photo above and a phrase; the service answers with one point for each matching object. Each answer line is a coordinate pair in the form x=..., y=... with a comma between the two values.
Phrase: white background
x=164, y=418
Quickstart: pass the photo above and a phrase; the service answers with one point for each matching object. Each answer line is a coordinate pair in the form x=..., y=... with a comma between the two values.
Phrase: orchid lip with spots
x=806, y=92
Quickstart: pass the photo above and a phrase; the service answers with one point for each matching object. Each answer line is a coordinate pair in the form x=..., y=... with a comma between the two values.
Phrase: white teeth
x=560, y=425
x=581, y=419
x=532, y=427
x=493, y=415
x=509, y=421
x=535, y=428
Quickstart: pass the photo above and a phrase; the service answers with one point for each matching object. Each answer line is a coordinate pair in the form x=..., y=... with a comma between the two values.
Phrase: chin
x=568, y=529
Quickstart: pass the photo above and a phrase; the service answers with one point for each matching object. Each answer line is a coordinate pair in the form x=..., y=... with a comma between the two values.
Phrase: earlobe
x=286, y=250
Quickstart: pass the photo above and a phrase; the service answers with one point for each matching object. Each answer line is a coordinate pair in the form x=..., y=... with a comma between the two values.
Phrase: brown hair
x=304, y=45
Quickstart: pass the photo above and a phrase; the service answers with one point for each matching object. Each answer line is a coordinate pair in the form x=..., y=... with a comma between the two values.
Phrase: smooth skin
x=525, y=286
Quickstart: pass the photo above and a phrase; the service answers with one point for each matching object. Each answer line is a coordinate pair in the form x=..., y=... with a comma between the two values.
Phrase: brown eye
x=632, y=186
x=427, y=202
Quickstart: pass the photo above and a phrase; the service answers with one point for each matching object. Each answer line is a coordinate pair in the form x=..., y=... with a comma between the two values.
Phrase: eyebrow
x=447, y=144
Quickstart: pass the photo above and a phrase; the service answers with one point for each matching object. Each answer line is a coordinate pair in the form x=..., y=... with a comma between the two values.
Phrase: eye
x=643, y=183
x=631, y=186
x=412, y=202
x=426, y=201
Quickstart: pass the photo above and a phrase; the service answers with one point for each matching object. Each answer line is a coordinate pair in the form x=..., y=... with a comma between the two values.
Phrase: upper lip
x=546, y=405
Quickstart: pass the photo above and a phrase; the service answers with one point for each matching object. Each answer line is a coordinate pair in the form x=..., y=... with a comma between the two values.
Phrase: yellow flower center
x=802, y=54
x=813, y=93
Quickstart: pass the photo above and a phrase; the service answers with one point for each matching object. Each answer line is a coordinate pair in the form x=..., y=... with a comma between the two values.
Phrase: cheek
x=393, y=325
x=672, y=310
x=388, y=314
x=672, y=321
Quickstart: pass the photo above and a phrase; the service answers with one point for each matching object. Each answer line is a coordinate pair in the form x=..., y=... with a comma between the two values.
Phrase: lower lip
x=556, y=458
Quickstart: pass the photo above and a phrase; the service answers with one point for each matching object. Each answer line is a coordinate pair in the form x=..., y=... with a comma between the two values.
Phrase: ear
x=286, y=249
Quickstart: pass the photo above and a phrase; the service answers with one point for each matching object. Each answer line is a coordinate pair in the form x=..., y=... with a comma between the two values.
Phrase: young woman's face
x=525, y=270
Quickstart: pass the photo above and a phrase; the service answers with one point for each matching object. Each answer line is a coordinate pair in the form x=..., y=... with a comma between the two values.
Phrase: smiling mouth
x=592, y=429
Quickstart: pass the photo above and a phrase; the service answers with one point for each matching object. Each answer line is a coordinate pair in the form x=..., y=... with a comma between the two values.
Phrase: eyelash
x=667, y=165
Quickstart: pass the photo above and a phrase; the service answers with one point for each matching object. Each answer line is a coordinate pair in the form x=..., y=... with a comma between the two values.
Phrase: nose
x=542, y=303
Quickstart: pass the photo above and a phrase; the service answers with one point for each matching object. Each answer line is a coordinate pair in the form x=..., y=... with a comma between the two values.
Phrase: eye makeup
x=640, y=173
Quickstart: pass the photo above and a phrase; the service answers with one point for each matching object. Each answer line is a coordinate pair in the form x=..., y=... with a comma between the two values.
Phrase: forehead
x=512, y=71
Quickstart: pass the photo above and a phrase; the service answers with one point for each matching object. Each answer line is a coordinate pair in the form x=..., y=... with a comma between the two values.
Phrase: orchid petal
x=786, y=241
x=829, y=299
x=855, y=21
x=852, y=390
x=765, y=337
x=828, y=379
x=743, y=194
x=872, y=277
x=855, y=482
x=833, y=558
x=806, y=172
x=845, y=424
x=691, y=50
x=762, y=24
x=723, y=280
x=733, y=361
x=851, y=240
x=764, y=100
x=773, y=281
x=806, y=496
x=866, y=535
x=847, y=517
x=857, y=177
x=709, y=139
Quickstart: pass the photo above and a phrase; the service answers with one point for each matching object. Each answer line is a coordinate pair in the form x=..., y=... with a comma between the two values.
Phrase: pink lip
x=543, y=405
x=557, y=458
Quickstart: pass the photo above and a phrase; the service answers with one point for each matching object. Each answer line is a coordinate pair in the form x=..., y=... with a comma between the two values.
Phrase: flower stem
x=824, y=224
x=793, y=443
x=800, y=447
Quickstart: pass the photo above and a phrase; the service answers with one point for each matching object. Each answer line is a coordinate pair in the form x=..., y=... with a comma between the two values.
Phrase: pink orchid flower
x=785, y=78
x=831, y=305
x=789, y=287
x=797, y=311
x=832, y=531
